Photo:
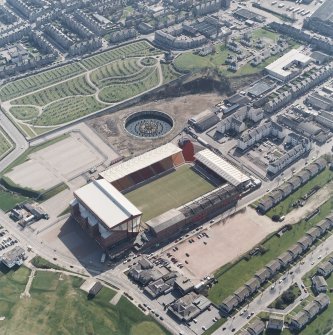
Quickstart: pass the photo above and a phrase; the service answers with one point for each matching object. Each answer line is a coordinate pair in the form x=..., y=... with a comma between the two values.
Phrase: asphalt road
x=21, y=143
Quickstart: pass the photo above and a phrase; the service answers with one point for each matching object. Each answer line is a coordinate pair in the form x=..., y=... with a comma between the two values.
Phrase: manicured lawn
x=231, y=279
x=119, y=73
x=69, y=109
x=9, y=200
x=57, y=306
x=5, y=143
x=285, y=206
x=32, y=83
x=170, y=191
x=189, y=61
x=169, y=73
x=73, y=87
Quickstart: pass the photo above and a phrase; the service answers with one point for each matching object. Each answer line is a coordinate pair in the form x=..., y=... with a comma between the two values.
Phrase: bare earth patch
x=227, y=241
x=111, y=127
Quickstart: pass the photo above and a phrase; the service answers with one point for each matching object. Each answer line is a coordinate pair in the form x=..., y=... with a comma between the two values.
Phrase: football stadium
x=156, y=196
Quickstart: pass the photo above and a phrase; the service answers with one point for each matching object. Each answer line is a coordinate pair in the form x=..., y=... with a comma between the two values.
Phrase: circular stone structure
x=149, y=124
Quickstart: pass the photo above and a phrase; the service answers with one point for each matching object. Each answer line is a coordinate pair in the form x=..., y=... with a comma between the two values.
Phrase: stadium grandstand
x=141, y=168
x=105, y=214
x=220, y=168
x=199, y=210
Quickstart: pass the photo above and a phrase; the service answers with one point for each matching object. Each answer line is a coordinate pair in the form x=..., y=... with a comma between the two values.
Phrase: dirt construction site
x=111, y=127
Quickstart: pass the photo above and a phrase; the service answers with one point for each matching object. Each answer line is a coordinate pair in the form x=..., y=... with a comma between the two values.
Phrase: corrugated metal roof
x=121, y=170
x=221, y=167
x=166, y=220
x=106, y=202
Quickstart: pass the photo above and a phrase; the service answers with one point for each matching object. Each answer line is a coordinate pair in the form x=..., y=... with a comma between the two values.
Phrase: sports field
x=57, y=306
x=170, y=191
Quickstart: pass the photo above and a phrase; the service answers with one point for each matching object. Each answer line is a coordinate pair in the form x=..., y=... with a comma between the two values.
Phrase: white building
x=288, y=66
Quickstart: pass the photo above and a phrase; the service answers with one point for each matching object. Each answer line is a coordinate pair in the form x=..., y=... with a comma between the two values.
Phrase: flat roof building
x=105, y=213
x=13, y=257
x=285, y=67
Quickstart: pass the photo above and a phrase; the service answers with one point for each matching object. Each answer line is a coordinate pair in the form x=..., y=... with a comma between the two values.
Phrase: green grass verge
x=169, y=73
x=170, y=191
x=8, y=200
x=6, y=145
x=42, y=263
x=57, y=306
x=232, y=277
x=285, y=206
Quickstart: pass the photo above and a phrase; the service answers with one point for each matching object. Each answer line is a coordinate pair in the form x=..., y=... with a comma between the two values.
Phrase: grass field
x=189, y=61
x=72, y=91
x=24, y=112
x=57, y=306
x=5, y=143
x=285, y=206
x=9, y=200
x=170, y=191
x=232, y=278
x=29, y=84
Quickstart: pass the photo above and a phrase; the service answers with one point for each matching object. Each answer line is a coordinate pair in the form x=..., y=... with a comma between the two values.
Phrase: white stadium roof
x=106, y=202
x=121, y=170
x=221, y=167
x=281, y=65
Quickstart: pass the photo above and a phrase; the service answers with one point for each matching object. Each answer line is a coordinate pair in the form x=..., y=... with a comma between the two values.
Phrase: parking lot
x=264, y=153
x=6, y=241
x=204, y=320
x=215, y=246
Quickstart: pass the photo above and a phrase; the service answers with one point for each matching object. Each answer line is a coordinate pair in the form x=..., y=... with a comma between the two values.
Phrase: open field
x=5, y=143
x=57, y=306
x=245, y=228
x=9, y=200
x=87, y=86
x=231, y=278
x=170, y=191
x=285, y=206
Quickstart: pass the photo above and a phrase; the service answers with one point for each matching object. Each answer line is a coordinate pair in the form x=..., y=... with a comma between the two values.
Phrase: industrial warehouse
x=114, y=212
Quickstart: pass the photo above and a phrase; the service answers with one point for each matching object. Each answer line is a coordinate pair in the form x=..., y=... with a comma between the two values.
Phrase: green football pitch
x=169, y=191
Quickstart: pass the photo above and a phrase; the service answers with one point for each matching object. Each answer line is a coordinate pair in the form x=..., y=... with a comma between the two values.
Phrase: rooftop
x=221, y=167
x=106, y=202
x=121, y=170
x=281, y=65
